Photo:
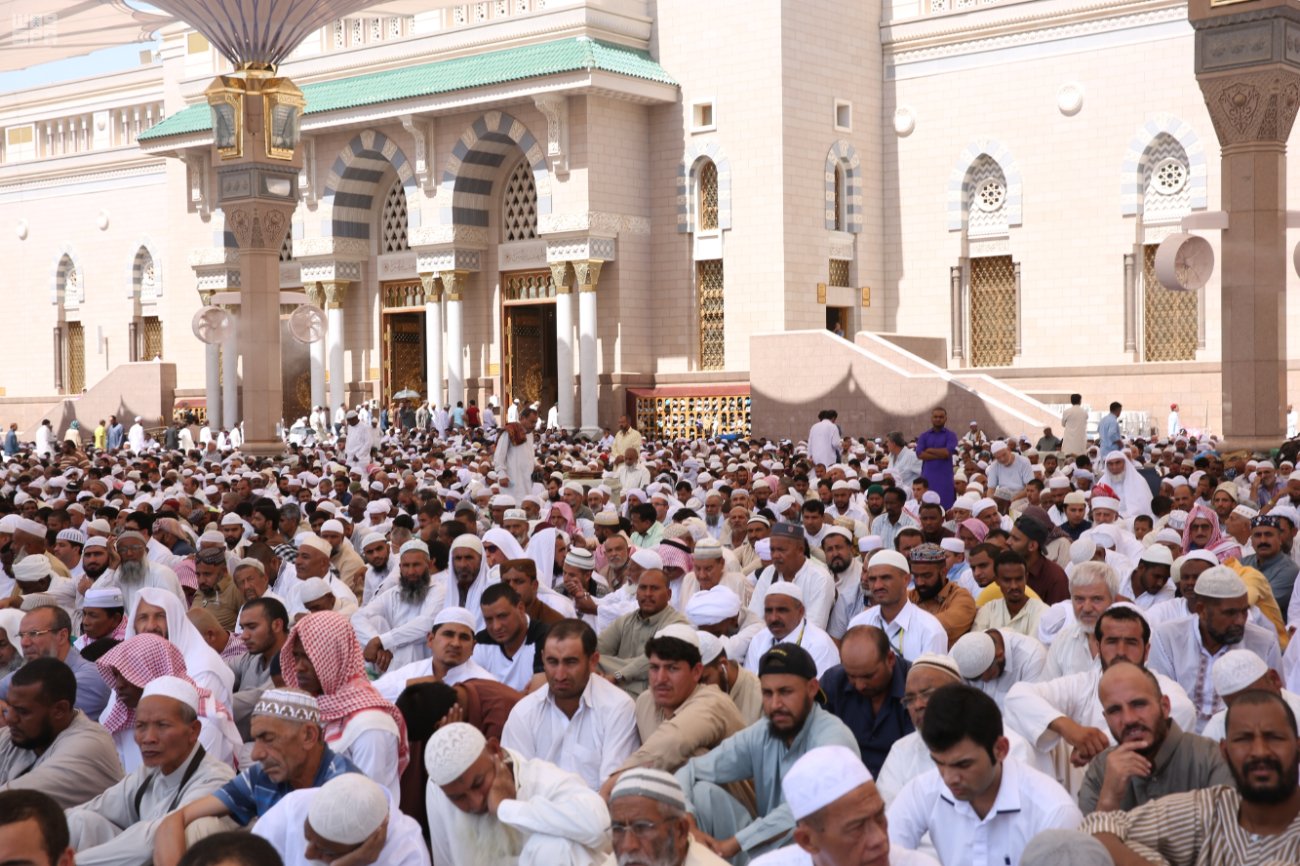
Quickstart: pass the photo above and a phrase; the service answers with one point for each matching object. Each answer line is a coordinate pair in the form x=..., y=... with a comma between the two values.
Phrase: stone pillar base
x=271, y=448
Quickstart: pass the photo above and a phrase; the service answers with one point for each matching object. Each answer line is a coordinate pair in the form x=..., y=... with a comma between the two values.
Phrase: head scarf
x=564, y=509
x=506, y=542
x=140, y=660
x=674, y=553
x=541, y=550
x=977, y=528
x=1202, y=512
x=329, y=641
x=199, y=657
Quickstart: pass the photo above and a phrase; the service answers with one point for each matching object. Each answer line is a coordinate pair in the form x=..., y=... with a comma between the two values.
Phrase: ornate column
x=587, y=274
x=316, y=297
x=335, y=291
x=455, y=283
x=433, y=336
x=230, y=371
x=560, y=272
x=1249, y=73
x=211, y=372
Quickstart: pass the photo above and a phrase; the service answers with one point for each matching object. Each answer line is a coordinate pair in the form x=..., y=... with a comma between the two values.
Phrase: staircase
x=146, y=389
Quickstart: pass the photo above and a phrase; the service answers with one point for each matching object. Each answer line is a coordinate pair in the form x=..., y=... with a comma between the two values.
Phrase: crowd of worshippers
x=542, y=650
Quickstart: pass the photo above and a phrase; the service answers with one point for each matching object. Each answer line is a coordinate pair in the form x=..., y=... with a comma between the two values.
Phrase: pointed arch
x=145, y=271
x=960, y=183
x=469, y=175
x=844, y=156
x=1133, y=169
x=353, y=183
x=688, y=176
x=67, y=269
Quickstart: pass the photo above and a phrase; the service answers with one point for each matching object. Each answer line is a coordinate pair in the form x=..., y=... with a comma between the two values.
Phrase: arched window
x=392, y=222
x=1170, y=320
x=707, y=196
x=840, y=198
x=986, y=206
x=519, y=204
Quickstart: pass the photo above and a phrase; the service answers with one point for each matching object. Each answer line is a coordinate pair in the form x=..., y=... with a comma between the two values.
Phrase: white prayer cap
x=651, y=784
x=1200, y=556
x=707, y=548
x=514, y=514
x=1157, y=554
x=997, y=447
x=1065, y=848
x=938, y=662
x=31, y=569
x=580, y=559
x=9, y=523
x=1177, y=519
x=456, y=615
x=1105, y=502
x=832, y=530
x=1265, y=464
x=973, y=653
x=212, y=537
x=1167, y=536
x=313, y=589
x=712, y=606
x=415, y=545
x=1058, y=482
x=465, y=541
x=103, y=599
x=1237, y=670
x=451, y=751
x=868, y=543
x=373, y=538
x=502, y=500
x=292, y=704
x=1082, y=550
x=332, y=525
x=1219, y=582
x=316, y=543
x=763, y=549
x=32, y=527
x=710, y=648
x=232, y=519
x=953, y=545
x=785, y=587
x=840, y=485
x=348, y=808
x=822, y=776
x=175, y=688
x=1246, y=512
x=681, y=631
x=648, y=560
x=892, y=558
x=983, y=505
x=1076, y=497
x=72, y=535
x=95, y=541
x=758, y=518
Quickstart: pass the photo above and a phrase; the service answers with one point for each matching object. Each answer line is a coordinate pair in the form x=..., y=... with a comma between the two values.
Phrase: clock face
x=284, y=127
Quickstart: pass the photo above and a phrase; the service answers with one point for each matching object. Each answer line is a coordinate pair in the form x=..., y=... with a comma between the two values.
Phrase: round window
x=1169, y=176
x=991, y=195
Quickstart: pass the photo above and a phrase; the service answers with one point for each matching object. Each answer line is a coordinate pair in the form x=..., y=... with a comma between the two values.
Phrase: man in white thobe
x=824, y=440
x=135, y=436
x=356, y=449
x=394, y=626
x=515, y=457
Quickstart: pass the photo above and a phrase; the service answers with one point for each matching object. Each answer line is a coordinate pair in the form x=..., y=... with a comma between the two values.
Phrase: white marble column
x=316, y=351
x=587, y=274
x=212, y=371
x=433, y=337
x=230, y=372
x=335, y=292
x=454, y=283
x=560, y=272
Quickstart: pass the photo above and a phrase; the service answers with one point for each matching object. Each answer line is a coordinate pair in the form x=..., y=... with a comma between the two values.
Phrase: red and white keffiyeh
x=140, y=659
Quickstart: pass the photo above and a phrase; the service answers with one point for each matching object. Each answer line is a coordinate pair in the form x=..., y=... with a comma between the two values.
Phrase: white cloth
x=1026, y=662
x=1027, y=803
x=516, y=462
x=813, y=639
x=202, y=662
x=282, y=826
x=824, y=442
x=156, y=577
x=593, y=743
x=793, y=855
x=911, y=633
x=1134, y=492
x=554, y=818
x=515, y=672
x=1215, y=728
x=909, y=758
x=473, y=596
x=393, y=683
x=356, y=449
x=402, y=627
x=135, y=437
x=813, y=579
x=1069, y=653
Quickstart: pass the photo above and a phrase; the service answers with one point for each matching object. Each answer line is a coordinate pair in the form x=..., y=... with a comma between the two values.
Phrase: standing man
x=935, y=447
x=356, y=447
x=1109, y=437
x=1075, y=422
x=626, y=437
x=824, y=439
x=514, y=457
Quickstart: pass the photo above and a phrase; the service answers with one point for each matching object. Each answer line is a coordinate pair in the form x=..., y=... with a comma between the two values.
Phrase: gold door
x=530, y=353
x=404, y=354
x=76, y=358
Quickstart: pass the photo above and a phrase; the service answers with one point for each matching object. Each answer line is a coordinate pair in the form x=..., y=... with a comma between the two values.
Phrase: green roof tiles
x=445, y=76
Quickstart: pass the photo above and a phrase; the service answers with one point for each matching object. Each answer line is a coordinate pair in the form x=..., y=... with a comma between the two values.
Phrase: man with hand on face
x=1154, y=757
x=117, y=828
x=490, y=805
x=795, y=725
x=392, y=628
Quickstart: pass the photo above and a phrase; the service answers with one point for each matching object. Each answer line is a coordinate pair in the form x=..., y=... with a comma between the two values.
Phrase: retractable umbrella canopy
x=33, y=32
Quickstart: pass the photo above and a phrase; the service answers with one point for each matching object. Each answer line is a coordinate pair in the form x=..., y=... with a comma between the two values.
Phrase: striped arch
x=468, y=178
x=353, y=184
x=959, y=190
x=1130, y=187
x=67, y=262
x=845, y=156
x=686, y=177
x=135, y=266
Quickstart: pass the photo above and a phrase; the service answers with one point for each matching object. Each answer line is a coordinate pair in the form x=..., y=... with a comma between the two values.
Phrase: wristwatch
x=618, y=677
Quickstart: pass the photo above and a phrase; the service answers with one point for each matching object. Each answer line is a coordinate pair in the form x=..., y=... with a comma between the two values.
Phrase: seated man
x=865, y=690
x=795, y=724
x=103, y=623
x=451, y=643
x=1237, y=672
x=995, y=660
x=50, y=745
x=349, y=819
x=1154, y=757
x=291, y=753
x=509, y=646
x=490, y=805
x=787, y=621
x=740, y=685
x=46, y=632
x=32, y=824
x=1252, y=821
x=980, y=806
x=394, y=625
x=622, y=645
x=648, y=823
x=118, y=826
x=264, y=627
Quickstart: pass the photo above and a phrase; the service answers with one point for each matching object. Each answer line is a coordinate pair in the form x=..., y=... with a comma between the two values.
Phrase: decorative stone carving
x=315, y=294
x=330, y=269
x=196, y=176
x=1069, y=99
x=307, y=174
x=336, y=292
x=593, y=221
x=904, y=121
x=555, y=107
x=1257, y=106
x=571, y=249
x=432, y=284
x=422, y=131
x=560, y=275
x=468, y=236
x=258, y=227
x=454, y=282
x=354, y=248
x=587, y=274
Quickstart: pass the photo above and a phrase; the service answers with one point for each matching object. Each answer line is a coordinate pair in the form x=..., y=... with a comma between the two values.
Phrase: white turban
x=175, y=688
x=316, y=543
x=712, y=606
x=32, y=568
x=467, y=542
x=313, y=589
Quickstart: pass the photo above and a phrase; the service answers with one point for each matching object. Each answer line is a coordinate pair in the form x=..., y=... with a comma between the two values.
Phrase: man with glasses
x=647, y=811
x=46, y=632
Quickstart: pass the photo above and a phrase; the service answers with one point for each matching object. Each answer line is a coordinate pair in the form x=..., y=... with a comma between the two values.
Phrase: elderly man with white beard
x=489, y=806
x=135, y=573
x=1093, y=588
x=392, y=628
x=648, y=824
x=467, y=576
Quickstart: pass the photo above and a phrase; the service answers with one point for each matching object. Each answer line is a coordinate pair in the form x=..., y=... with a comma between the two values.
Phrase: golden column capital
x=315, y=294
x=205, y=296
x=432, y=284
x=560, y=273
x=587, y=273
x=335, y=292
x=455, y=282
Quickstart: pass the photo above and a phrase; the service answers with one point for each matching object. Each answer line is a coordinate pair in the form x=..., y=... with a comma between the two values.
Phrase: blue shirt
x=1108, y=434
x=876, y=732
x=252, y=793
x=92, y=691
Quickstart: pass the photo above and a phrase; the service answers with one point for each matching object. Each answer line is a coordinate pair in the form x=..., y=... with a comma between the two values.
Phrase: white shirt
x=1147, y=600
x=909, y=758
x=1069, y=652
x=393, y=683
x=593, y=744
x=1013, y=478
x=817, y=642
x=911, y=633
x=282, y=826
x=1178, y=653
x=1027, y=803
x=402, y=627
x=813, y=579
x=1026, y=661
x=823, y=442
x=793, y=855
x=515, y=672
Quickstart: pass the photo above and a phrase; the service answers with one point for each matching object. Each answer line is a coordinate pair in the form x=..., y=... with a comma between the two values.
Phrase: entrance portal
x=404, y=354
x=529, y=372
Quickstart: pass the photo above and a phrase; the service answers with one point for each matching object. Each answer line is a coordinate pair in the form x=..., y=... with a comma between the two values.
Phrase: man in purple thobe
x=936, y=447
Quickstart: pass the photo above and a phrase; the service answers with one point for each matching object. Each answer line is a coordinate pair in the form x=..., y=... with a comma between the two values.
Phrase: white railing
x=82, y=132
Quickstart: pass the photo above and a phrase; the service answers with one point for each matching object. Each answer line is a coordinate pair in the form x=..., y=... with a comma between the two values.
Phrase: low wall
x=146, y=389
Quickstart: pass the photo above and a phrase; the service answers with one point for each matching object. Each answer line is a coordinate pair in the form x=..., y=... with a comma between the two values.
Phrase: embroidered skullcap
x=105, y=599
x=785, y=587
x=758, y=518
x=763, y=549
x=891, y=558
x=295, y=705
x=314, y=589
x=31, y=569
x=822, y=776
x=953, y=545
x=175, y=688
x=1220, y=582
x=1106, y=502
x=788, y=530
x=648, y=560
x=680, y=631
x=973, y=653
x=868, y=543
x=415, y=545
x=926, y=553
x=373, y=538
x=712, y=606
x=580, y=559
x=316, y=543
x=1269, y=520
x=467, y=542
x=348, y=809
x=710, y=648
x=939, y=662
x=451, y=751
x=651, y=784
x=231, y=519
x=1237, y=670
x=71, y=535
x=250, y=562
x=95, y=542
x=1065, y=848
x=211, y=555
x=707, y=548
x=456, y=616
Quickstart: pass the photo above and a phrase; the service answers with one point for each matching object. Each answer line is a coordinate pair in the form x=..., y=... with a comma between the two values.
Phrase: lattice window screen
x=992, y=311
x=712, y=331
x=839, y=275
x=519, y=205
x=708, y=196
x=839, y=202
x=76, y=358
x=1169, y=318
x=153, y=338
x=393, y=221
